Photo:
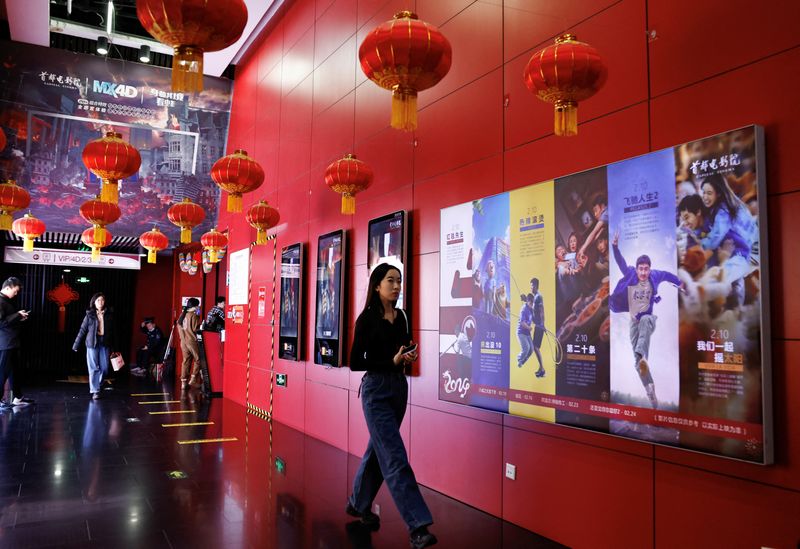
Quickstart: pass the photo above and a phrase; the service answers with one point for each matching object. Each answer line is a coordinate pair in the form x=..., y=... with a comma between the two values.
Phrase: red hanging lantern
x=186, y=215
x=111, y=159
x=99, y=214
x=564, y=74
x=262, y=217
x=348, y=176
x=405, y=55
x=29, y=228
x=213, y=241
x=192, y=27
x=12, y=199
x=235, y=174
x=88, y=238
x=3, y=141
x=153, y=241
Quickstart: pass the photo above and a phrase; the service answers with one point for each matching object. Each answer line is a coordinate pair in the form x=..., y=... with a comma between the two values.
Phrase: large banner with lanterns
x=52, y=103
x=649, y=319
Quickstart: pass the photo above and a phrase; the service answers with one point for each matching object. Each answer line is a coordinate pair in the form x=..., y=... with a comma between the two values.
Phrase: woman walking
x=97, y=331
x=382, y=346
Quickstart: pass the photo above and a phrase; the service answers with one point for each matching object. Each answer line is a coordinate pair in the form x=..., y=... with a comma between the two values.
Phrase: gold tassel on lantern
x=151, y=256
x=5, y=221
x=348, y=204
x=186, y=235
x=109, y=192
x=212, y=255
x=27, y=246
x=187, y=69
x=234, y=202
x=404, y=109
x=566, y=121
x=95, y=254
x=99, y=234
x=261, y=236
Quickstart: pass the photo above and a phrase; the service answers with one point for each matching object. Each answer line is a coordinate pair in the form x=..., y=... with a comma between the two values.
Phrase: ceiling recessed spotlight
x=144, y=54
x=102, y=45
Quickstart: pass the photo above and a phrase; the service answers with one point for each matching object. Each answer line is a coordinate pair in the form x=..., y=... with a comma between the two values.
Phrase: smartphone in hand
x=410, y=349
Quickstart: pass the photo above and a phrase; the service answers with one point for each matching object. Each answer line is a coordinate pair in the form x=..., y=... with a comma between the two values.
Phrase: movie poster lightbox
x=291, y=333
x=387, y=237
x=328, y=340
x=626, y=299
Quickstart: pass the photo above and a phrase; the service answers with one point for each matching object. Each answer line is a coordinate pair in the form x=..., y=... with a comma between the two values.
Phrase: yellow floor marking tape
x=187, y=424
x=203, y=440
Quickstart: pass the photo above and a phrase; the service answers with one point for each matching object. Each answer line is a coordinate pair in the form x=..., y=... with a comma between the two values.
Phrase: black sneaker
x=422, y=538
x=368, y=518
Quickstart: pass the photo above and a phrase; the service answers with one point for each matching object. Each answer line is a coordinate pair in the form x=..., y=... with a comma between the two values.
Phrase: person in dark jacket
x=97, y=331
x=382, y=346
x=11, y=318
x=636, y=293
x=215, y=319
x=153, y=349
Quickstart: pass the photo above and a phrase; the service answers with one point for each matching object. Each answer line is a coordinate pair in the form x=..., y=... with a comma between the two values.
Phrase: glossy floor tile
x=81, y=473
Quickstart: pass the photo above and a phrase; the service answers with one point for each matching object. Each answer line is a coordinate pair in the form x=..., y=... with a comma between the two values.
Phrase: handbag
x=117, y=362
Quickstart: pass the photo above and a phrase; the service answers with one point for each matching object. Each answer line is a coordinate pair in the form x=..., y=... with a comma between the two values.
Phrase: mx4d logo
x=114, y=90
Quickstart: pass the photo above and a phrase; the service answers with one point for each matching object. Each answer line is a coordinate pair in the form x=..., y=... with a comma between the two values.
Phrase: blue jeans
x=383, y=398
x=526, y=348
x=97, y=362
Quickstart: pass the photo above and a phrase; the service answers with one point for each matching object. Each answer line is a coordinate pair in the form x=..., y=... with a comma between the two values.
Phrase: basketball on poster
x=625, y=299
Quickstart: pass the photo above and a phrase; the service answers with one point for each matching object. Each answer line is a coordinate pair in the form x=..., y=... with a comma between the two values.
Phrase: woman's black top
x=377, y=340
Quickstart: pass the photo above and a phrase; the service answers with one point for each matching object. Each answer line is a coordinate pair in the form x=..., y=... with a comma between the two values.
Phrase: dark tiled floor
x=78, y=473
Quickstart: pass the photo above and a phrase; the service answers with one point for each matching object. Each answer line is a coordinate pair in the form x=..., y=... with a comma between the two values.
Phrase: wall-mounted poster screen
x=387, y=244
x=291, y=302
x=626, y=299
x=330, y=281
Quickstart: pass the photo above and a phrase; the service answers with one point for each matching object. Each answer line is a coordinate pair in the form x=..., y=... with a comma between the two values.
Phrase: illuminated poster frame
x=387, y=238
x=291, y=304
x=625, y=299
x=331, y=273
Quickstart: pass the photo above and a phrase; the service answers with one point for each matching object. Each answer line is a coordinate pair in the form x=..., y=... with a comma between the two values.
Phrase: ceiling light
x=110, y=19
x=102, y=45
x=144, y=54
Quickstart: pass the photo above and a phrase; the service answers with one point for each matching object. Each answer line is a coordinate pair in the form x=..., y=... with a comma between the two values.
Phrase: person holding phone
x=97, y=332
x=10, y=320
x=383, y=348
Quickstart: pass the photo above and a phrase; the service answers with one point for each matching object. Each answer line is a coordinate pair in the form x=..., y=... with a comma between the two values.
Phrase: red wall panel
x=301, y=100
x=471, y=446
x=679, y=58
x=718, y=511
x=606, y=497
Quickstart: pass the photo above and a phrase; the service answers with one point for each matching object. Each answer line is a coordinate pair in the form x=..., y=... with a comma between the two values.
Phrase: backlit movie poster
x=52, y=103
x=648, y=321
x=330, y=256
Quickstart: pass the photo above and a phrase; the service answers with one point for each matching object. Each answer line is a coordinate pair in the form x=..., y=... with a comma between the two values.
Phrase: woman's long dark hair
x=93, y=299
x=373, y=301
x=725, y=194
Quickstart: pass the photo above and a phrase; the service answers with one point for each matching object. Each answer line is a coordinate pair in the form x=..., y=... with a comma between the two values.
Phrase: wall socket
x=511, y=471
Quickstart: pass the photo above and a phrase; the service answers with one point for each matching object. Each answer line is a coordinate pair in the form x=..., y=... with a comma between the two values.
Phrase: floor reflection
x=106, y=473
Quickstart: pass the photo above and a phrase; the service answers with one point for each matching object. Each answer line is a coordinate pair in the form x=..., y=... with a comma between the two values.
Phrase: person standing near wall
x=215, y=319
x=188, y=323
x=97, y=331
x=10, y=319
x=382, y=346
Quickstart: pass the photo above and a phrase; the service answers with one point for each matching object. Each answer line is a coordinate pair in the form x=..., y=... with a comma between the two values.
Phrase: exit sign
x=281, y=380
x=280, y=465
